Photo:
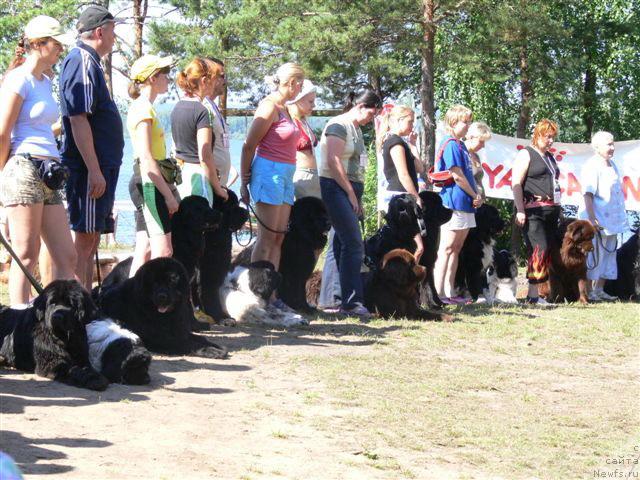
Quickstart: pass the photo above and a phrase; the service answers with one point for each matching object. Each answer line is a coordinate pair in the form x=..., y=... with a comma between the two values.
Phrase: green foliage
x=15, y=14
x=370, y=198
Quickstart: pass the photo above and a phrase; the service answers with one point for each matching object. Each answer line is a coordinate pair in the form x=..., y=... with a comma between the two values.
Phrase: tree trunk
x=524, y=118
x=108, y=72
x=426, y=85
x=139, y=15
x=107, y=60
x=222, y=99
x=526, y=93
x=589, y=100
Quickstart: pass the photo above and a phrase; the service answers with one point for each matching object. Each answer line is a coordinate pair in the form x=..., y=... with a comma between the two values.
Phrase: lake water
x=126, y=230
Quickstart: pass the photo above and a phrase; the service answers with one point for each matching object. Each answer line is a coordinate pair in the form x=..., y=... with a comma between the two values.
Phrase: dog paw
x=227, y=322
x=447, y=318
x=214, y=351
x=97, y=382
x=135, y=368
x=203, y=317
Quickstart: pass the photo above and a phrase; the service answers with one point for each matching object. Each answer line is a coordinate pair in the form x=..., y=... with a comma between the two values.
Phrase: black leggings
x=539, y=235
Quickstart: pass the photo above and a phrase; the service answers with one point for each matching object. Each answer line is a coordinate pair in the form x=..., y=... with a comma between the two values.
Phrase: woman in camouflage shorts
x=34, y=211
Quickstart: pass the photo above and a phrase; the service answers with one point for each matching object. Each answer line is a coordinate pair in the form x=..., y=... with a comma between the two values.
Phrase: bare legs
x=444, y=271
x=27, y=223
x=268, y=244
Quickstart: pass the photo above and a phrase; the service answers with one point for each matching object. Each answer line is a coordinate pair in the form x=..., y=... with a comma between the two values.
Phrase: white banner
x=499, y=153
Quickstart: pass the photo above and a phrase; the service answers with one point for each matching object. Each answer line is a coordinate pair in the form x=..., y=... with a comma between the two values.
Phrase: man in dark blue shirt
x=93, y=137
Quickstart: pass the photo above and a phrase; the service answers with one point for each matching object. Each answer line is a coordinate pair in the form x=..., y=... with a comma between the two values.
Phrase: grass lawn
x=508, y=392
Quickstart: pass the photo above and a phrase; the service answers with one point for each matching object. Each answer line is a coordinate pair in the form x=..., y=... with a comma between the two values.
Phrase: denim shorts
x=271, y=182
x=20, y=184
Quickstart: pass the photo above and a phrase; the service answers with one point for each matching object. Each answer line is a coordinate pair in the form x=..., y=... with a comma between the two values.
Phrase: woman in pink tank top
x=268, y=163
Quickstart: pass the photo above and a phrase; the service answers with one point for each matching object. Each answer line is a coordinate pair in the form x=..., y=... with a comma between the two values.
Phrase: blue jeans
x=348, y=248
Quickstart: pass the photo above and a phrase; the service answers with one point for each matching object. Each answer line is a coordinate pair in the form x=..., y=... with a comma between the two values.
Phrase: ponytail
x=18, y=55
x=366, y=97
x=383, y=129
x=390, y=114
x=134, y=90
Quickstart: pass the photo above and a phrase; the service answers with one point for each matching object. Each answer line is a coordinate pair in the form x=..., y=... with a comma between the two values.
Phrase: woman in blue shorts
x=269, y=162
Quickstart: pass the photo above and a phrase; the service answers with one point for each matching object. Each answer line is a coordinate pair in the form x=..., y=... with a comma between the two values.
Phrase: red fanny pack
x=442, y=178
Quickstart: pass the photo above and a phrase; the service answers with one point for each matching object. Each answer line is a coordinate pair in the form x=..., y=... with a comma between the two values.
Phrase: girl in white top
x=28, y=113
x=604, y=208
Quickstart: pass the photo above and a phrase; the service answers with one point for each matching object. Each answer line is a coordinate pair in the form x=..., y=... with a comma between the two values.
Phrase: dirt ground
x=268, y=412
x=245, y=417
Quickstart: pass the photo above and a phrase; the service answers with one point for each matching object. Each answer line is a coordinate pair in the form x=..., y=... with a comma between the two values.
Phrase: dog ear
x=396, y=272
x=40, y=305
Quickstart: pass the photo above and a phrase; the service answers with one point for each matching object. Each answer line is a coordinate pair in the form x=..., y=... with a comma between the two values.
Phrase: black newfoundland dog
x=50, y=338
x=627, y=285
x=188, y=224
x=399, y=232
x=392, y=289
x=434, y=214
x=305, y=238
x=477, y=252
x=216, y=258
x=155, y=305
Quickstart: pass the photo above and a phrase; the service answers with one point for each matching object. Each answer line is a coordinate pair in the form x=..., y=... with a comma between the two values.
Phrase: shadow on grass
x=479, y=310
x=324, y=331
x=26, y=452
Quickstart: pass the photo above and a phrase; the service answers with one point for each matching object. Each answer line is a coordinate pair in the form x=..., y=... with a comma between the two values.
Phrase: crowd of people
x=282, y=159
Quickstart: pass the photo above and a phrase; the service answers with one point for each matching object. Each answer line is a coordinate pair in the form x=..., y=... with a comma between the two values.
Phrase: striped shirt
x=83, y=89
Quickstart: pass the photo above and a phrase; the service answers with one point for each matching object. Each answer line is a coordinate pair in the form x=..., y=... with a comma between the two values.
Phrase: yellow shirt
x=139, y=110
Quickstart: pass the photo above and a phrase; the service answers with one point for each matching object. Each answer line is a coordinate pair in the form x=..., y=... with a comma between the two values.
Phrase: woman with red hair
x=536, y=194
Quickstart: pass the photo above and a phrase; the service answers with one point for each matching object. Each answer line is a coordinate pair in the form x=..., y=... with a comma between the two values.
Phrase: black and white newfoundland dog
x=627, y=285
x=117, y=353
x=399, y=231
x=50, y=337
x=246, y=293
x=216, y=259
x=391, y=290
x=155, y=305
x=305, y=238
x=434, y=215
x=477, y=252
x=502, y=277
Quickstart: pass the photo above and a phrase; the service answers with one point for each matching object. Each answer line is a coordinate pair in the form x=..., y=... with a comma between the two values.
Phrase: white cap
x=43, y=26
x=307, y=88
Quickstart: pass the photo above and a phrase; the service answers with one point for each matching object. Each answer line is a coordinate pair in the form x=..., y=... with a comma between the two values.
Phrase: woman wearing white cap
x=306, y=182
x=153, y=191
x=34, y=208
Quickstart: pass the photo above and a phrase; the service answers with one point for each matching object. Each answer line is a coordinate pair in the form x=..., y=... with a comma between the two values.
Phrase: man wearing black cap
x=93, y=136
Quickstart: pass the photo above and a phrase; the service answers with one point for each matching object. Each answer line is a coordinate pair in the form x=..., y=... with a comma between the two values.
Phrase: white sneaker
x=594, y=296
x=539, y=301
x=606, y=297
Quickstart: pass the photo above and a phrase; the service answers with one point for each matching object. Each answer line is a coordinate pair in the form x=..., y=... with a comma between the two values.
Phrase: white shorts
x=460, y=221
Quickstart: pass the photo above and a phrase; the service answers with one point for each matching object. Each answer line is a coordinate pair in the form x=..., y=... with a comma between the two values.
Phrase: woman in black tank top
x=536, y=195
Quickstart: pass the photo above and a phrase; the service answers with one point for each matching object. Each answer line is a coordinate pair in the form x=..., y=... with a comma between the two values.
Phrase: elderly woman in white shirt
x=604, y=208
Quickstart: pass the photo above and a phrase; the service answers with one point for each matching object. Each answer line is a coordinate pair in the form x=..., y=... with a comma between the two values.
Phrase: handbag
x=169, y=169
x=442, y=178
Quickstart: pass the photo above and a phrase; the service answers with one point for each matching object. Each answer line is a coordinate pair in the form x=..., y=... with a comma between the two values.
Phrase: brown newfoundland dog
x=568, y=269
x=392, y=289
